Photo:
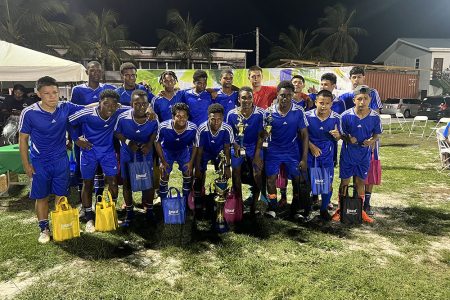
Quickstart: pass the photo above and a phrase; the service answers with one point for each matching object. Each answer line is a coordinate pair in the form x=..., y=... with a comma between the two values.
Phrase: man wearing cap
x=361, y=128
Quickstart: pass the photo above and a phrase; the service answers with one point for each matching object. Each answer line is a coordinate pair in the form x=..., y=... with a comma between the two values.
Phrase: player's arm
x=370, y=142
x=198, y=160
x=131, y=144
x=305, y=144
x=148, y=147
x=257, y=159
x=227, y=151
x=23, y=149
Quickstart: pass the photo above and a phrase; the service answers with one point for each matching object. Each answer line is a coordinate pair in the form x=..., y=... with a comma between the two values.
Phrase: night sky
x=385, y=20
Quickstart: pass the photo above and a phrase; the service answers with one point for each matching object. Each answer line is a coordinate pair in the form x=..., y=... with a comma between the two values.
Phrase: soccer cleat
x=369, y=211
x=336, y=216
x=90, y=226
x=330, y=206
x=325, y=216
x=150, y=216
x=44, y=237
x=366, y=218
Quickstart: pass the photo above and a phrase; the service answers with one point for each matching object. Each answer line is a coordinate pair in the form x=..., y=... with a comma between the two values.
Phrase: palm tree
x=295, y=46
x=186, y=38
x=32, y=24
x=337, y=26
x=100, y=37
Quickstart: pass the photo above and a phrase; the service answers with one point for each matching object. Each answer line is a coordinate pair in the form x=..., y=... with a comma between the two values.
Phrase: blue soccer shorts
x=50, y=177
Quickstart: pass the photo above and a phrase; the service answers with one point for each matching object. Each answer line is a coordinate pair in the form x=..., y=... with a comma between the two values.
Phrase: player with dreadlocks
x=163, y=103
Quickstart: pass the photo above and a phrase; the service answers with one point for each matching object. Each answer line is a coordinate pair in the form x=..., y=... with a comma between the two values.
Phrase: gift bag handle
x=103, y=199
x=143, y=157
x=63, y=204
x=173, y=189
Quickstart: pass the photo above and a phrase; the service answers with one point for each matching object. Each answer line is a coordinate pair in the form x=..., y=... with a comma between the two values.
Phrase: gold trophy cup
x=221, y=190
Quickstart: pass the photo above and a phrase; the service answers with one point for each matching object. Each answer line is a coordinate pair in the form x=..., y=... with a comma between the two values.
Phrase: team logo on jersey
x=284, y=123
x=106, y=125
x=53, y=121
x=359, y=126
x=177, y=139
x=137, y=131
x=321, y=128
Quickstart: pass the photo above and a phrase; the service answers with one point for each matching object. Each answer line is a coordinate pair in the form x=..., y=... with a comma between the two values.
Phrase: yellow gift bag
x=65, y=221
x=106, y=214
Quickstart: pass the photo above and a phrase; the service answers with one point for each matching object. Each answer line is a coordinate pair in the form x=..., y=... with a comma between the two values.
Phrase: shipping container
x=393, y=84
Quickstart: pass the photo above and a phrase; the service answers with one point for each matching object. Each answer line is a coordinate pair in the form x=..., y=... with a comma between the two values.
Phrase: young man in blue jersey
x=361, y=127
x=324, y=130
x=226, y=96
x=44, y=123
x=288, y=124
x=96, y=125
x=162, y=104
x=85, y=94
x=128, y=73
x=301, y=98
x=358, y=77
x=173, y=141
x=213, y=136
x=136, y=134
x=198, y=98
x=251, y=119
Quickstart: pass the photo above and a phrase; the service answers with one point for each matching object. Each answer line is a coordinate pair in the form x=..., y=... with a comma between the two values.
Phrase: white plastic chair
x=401, y=121
x=442, y=121
x=418, y=122
x=444, y=149
x=386, y=120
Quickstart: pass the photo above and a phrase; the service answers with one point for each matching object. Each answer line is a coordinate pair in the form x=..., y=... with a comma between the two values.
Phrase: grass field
x=405, y=254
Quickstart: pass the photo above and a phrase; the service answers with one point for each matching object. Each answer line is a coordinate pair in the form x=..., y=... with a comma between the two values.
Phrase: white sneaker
x=90, y=227
x=44, y=237
x=81, y=212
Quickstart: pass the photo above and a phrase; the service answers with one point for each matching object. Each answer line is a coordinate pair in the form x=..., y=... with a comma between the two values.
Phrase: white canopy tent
x=21, y=64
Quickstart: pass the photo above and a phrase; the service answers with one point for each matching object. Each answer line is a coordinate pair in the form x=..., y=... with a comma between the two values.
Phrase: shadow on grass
x=400, y=145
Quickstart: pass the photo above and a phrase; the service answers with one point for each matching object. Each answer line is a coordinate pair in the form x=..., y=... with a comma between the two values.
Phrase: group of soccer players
x=260, y=128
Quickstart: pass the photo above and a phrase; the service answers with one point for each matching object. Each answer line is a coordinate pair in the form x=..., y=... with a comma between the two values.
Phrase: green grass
x=405, y=254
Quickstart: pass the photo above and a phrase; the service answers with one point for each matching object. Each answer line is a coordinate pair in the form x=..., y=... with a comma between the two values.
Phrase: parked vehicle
x=435, y=107
x=408, y=107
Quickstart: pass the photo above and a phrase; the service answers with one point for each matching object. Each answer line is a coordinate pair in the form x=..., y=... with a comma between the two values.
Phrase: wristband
x=127, y=142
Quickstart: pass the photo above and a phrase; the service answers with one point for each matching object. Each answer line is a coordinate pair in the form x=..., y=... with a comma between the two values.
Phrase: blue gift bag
x=74, y=178
x=174, y=207
x=141, y=174
x=320, y=179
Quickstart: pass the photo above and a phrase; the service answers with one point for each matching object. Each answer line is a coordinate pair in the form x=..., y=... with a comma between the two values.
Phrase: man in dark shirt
x=15, y=103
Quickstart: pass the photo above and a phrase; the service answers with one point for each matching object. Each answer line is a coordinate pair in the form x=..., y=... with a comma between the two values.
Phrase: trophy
x=268, y=128
x=221, y=190
x=241, y=128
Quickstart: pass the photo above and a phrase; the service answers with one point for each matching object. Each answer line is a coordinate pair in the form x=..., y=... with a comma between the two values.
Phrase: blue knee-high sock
x=130, y=212
x=88, y=214
x=187, y=184
x=163, y=189
x=325, y=200
x=43, y=224
x=367, y=199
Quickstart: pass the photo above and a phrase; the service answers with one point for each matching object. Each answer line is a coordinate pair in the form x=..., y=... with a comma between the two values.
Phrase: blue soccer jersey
x=47, y=130
x=284, y=133
x=97, y=131
x=212, y=144
x=125, y=95
x=319, y=135
x=138, y=133
x=253, y=125
x=83, y=94
x=198, y=105
x=375, y=101
x=172, y=141
x=163, y=106
x=228, y=102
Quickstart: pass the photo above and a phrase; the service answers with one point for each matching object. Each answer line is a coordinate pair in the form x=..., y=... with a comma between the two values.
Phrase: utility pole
x=257, y=46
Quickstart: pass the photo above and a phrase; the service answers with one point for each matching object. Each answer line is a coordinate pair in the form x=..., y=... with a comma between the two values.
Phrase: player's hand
x=335, y=132
x=189, y=166
x=146, y=85
x=237, y=150
x=227, y=172
x=309, y=103
x=29, y=170
x=197, y=173
x=133, y=146
x=150, y=114
x=145, y=149
x=164, y=167
x=369, y=143
x=352, y=139
x=212, y=92
x=303, y=165
x=257, y=163
x=315, y=151
x=312, y=90
x=83, y=143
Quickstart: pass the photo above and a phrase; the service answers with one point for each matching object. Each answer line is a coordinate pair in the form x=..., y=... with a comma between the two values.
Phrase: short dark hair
x=127, y=66
x=325, y=93
x=171, y=73
x=246, y=89
x=226, y=71
x=46, y=81
x=93, y=63
x=216, y=108
x=298, y=77
x=330, y=77
x=180, y=106
x=109, y=94
x=198, y=74
x=254, y=68
x=19, y=87
x=138, y=94
x=357, y=70
x=285, y=84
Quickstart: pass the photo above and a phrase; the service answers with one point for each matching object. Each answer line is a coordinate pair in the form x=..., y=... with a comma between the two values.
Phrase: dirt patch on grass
x=373, y=243
x=435, y=195
x=389, y=200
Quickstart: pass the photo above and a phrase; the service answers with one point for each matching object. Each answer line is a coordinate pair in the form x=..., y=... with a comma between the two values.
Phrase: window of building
x=417, y=63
